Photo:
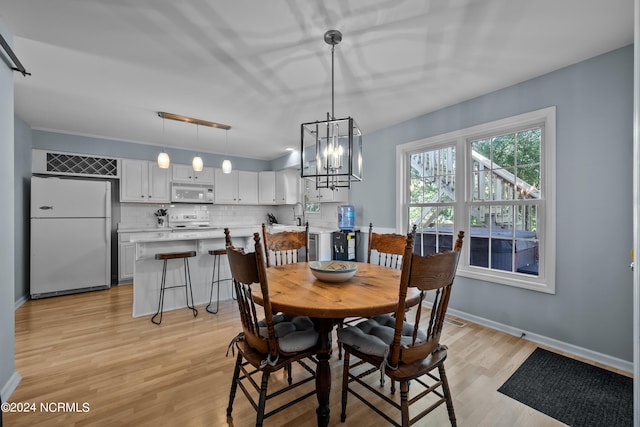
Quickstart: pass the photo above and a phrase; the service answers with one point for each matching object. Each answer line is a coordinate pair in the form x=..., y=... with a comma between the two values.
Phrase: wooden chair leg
x=234, y=384
x=345, y=385
x=340, y=326
x=262, y=401
x=289, y=378
x=447, y=395
x=404, y=402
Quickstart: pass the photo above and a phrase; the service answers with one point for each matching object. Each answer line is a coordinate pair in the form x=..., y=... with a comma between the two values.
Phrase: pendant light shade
x=226, y=163
x=336, y=157
x=197, y=164
x=163, y=160
x=226, y=166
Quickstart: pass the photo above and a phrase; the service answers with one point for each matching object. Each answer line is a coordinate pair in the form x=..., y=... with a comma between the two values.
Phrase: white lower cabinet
x=126, y=257
x=127, y=254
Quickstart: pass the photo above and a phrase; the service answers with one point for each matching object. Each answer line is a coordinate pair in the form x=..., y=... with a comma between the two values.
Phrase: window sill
x=523, y=281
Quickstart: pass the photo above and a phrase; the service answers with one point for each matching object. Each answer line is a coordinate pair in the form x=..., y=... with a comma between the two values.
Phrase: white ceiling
x=105, y=67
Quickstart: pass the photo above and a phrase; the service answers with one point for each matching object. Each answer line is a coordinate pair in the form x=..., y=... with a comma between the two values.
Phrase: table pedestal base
x=323, y=370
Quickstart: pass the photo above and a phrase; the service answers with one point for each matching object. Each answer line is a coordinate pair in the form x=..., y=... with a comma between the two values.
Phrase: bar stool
x=215, y=279
x=187, y=281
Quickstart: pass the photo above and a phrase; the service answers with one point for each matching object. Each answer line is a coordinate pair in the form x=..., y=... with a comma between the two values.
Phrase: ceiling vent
x=73, y=164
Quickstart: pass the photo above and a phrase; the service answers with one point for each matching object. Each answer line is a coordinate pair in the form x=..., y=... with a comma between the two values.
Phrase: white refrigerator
x=70, y=236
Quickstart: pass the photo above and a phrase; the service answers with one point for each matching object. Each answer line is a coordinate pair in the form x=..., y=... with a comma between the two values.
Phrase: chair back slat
x=248, y=269
x=388, y=247
x=285, y=247
x=434, y=273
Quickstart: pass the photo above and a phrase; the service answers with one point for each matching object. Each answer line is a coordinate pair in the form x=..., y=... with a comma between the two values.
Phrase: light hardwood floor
x=87, y=348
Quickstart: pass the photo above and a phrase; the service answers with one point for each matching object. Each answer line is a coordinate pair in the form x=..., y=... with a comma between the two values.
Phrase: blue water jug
x=346, y=217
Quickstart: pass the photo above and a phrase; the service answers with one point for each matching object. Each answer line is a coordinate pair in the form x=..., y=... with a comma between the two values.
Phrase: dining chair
x=387, y=250
x=405, y=351
x=268, y=345
x=286, y=247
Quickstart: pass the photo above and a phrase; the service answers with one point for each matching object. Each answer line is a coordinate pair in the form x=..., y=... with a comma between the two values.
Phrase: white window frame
x=546, y=279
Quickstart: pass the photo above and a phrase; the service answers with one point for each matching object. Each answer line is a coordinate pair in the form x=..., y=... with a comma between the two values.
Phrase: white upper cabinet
x=324, y=195
x=186, y=174
x=287, y=187
x=247, y=188
x=143, y=181
x=226, y=187
x=237, y=187
x=267, y=187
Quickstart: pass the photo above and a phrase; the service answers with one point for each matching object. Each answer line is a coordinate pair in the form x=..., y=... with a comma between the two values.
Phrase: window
x=309, y=206
x=496, y=182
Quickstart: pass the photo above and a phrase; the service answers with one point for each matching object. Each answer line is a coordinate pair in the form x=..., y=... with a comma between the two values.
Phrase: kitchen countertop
x=147, y=233
x=216, y=233
x=312, y=229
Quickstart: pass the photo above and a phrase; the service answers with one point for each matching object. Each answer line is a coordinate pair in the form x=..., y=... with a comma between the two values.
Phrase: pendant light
x=226, y=163
x=197, y=162
x=337, y=143
x=163, y=158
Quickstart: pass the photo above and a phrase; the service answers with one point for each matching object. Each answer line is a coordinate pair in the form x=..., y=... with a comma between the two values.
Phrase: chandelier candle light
x=337, y=142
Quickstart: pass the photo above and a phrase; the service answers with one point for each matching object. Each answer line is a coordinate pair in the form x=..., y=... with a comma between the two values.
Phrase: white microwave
x=188, y=193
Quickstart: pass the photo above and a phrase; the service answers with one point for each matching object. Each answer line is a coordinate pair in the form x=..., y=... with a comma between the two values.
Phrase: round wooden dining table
x=293, y=289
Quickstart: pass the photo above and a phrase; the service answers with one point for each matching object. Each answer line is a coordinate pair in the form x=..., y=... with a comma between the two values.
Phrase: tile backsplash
x=142, y=215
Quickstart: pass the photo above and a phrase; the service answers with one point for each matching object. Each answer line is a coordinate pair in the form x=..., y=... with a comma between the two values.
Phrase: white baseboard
x=9, y=387
x=21, y=301
x=594, y=356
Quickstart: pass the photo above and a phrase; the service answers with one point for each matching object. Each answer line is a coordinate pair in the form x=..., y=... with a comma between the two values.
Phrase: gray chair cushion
x=374, y=335
x=295, y=333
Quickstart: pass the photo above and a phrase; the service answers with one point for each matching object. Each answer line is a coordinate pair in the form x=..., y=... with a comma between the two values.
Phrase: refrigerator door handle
x=44, y=208
x=107, y=200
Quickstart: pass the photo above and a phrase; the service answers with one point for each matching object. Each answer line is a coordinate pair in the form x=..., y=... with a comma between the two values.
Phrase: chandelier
x=336, y=144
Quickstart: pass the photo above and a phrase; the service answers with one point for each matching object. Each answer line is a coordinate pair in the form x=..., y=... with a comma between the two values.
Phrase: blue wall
x=22, y=161
x=592, y=307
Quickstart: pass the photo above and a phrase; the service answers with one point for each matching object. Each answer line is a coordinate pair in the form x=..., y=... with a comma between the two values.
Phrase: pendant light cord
x=333, y=116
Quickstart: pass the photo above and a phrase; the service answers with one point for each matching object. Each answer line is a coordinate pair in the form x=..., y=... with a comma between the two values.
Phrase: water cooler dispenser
x=346, y=241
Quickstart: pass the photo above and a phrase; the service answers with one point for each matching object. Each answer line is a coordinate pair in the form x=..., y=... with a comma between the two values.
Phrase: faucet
x=296, y=215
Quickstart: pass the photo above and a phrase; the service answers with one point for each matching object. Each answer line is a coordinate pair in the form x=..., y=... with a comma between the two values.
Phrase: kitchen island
x=148, y=271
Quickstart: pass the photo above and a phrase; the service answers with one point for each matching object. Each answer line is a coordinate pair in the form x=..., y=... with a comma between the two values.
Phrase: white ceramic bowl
x=333, y=271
